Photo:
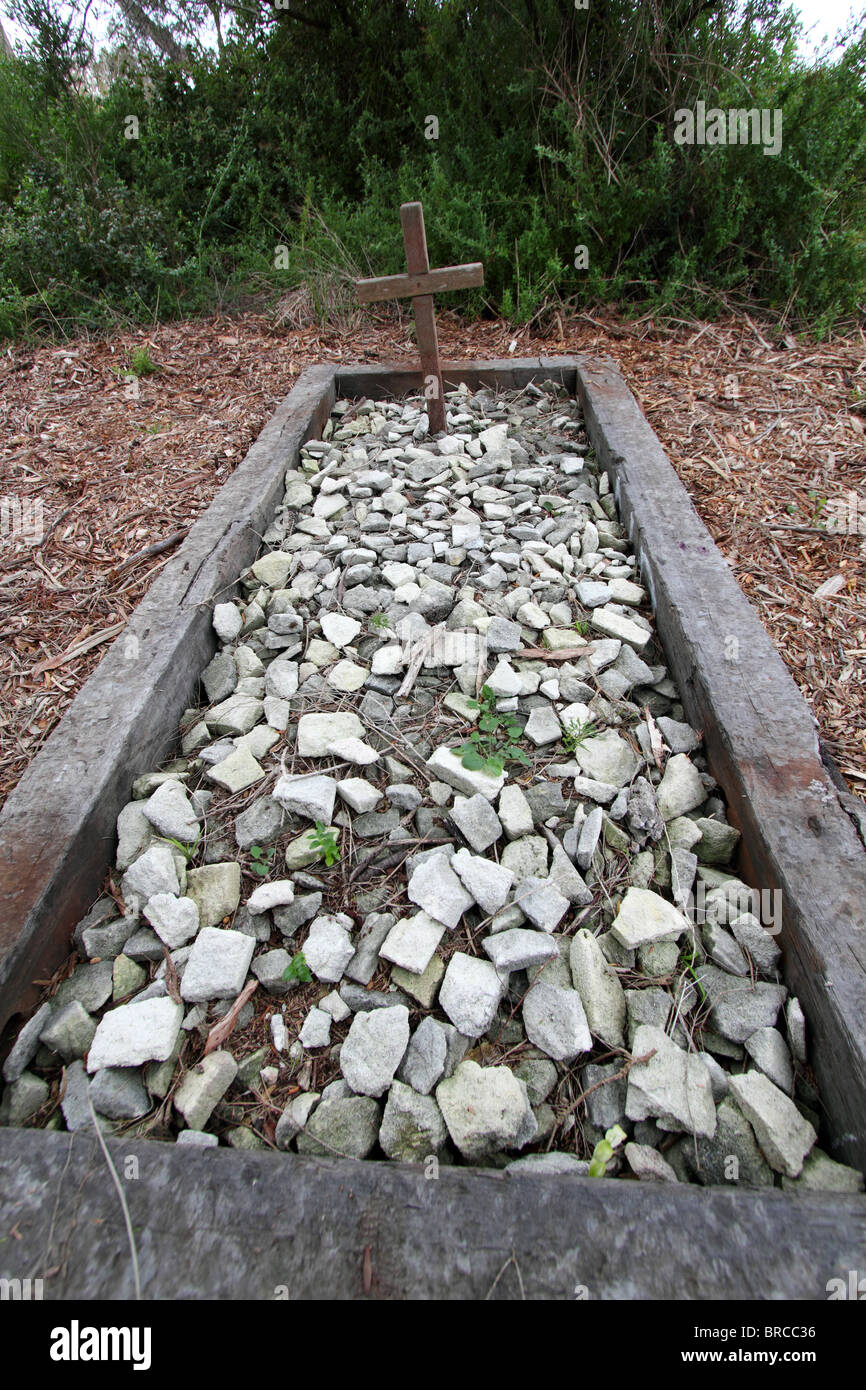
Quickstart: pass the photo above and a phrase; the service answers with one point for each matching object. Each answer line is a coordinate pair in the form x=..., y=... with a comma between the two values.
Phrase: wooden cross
x=420, y=285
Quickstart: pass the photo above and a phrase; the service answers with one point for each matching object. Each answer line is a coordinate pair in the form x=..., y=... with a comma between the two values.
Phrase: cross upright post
x=420, y=284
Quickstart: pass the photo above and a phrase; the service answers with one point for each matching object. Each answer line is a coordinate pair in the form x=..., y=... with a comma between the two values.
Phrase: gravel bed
x=439, y=873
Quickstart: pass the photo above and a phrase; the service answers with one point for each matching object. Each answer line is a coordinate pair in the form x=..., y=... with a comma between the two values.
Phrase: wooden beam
x=415, y=242
x=450, y=277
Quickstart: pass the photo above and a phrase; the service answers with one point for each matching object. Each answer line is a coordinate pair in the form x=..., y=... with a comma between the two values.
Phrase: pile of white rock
x=505, y=963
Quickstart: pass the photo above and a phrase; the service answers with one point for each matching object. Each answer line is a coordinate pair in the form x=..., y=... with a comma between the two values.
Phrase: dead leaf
x=657, y=743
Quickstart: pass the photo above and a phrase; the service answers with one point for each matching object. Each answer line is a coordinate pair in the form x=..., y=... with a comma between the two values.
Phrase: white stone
x=273, y=569
x=541, y=901
x=236, y=772
x=347, y=676
x=616, y=625
x=470, y=994
x=606, y=757
x=515, y=812
x=235, y=716
x=681, y=789
x=171, y=812
x=333, y=1005
x=316, y=1030
x=361, y=796
x=488, y=883
x=435, y=887
x=492, y=440
x=486, y=1109
x=267, y=896
x=412, y=942
x=340, y=629
x=281, y=679
x=555, y=1021
x=328, y=949
x=175, y=920
x=532, y=616
x=397, y=574
x=526, y=857
x=504, y=681
x=599, y=988
x=477, y=821
x=276, y=712
x=447, y=767
x=317, y=733
x=519, y=949
x=203, y=1086
x=374, y=1048
x=133, y=1034
x=769, y=1052
x=543, y=727
x=227, y=621
x=785, y=1136
x=217, y=965
x=310, y=796
x=645, y=917
x=326, y=507
x=673, y=1087
x=388, y=661
x=353, y=750
x=152, y=873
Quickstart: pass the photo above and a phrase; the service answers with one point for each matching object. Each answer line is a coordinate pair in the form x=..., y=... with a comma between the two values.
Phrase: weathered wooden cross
x=420, y=285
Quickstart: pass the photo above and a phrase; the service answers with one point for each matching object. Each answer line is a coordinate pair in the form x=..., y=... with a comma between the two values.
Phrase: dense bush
x=555, y=130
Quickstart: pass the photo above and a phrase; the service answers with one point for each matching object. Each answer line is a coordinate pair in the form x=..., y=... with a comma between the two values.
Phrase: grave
x=394, y=1232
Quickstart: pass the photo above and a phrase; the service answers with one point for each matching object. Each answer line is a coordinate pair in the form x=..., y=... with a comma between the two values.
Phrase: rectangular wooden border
x=209, y=1232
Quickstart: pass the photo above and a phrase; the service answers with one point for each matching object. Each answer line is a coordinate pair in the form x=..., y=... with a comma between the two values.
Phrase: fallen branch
x=542, y=654
x=222, y=1030
x=606, y=1081
x=98, y=637
x=149, y=551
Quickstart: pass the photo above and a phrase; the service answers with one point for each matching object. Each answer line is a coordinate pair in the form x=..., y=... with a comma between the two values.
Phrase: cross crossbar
x=450, y=277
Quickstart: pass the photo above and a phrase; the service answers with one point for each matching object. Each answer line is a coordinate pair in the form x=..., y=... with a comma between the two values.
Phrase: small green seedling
x=324, y=842
x=297, y=969
x=141, y=363
x=187, y=849
x=687, y=961
x=263, y=861
x=603, y=1151
x=575, y=733
x=493, y=742
x=379, y=621
x=581, y=626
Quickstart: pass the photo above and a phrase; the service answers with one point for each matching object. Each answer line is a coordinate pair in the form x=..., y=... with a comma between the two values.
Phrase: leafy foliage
x=603, y=1151
x=324, y=841
x=297, y=969
x=306, y=129
x=263, y=861
x=575, y=733
x=493, y=743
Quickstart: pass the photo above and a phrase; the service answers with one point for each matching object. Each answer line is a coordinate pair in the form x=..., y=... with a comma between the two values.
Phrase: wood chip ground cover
x=505, y=962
